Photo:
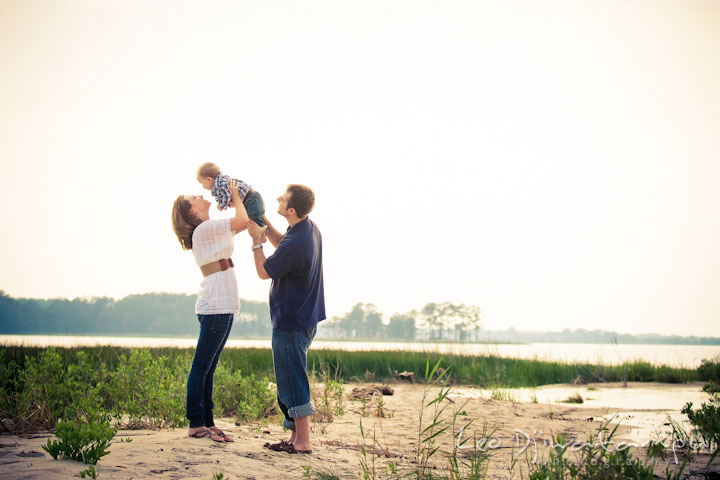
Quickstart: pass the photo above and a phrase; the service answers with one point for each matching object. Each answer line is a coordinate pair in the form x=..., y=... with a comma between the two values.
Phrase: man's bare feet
x=301, y=435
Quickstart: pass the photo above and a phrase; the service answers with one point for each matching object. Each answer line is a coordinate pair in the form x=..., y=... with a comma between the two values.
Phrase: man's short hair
x=302, y=199
x=208, y=169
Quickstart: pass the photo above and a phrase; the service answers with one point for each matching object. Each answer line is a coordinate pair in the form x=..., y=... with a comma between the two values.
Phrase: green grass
x=577, y=398
x=503, y=395
x=146, y=387
x=484, y=371
x=489, y=371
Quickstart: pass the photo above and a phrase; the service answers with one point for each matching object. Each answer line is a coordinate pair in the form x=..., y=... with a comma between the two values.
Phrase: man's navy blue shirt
x=297, y=298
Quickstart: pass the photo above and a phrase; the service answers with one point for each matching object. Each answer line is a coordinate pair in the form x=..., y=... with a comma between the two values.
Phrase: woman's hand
x=233, y=186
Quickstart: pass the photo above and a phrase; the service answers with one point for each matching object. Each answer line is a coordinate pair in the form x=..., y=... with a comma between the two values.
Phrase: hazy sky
x=555, y=163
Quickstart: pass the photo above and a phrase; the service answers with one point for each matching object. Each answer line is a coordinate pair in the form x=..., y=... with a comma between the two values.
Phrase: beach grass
x=384, y=366
x=145, y=388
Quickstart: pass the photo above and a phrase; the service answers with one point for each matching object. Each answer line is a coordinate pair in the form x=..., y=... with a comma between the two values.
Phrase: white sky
x=555, y=163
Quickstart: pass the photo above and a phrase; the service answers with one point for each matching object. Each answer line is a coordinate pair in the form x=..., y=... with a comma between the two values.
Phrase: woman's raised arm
x=240, y=221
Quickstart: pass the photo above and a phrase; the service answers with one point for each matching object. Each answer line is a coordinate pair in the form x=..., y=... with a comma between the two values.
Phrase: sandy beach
x=515, y=426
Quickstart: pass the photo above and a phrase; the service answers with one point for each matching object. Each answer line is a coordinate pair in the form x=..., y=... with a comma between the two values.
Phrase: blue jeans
x=255, y=207
x=214, y=331
x=290, y=359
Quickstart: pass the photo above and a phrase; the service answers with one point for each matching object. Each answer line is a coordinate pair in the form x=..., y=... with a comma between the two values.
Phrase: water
x=644, y=407
x=688, y=356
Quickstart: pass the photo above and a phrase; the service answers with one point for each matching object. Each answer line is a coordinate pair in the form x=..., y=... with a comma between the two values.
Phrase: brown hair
x=208, y=169
x=302, y=199
x=184, y=222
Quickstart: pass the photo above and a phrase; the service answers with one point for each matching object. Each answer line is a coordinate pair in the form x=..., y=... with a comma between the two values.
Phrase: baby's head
x=206, y=174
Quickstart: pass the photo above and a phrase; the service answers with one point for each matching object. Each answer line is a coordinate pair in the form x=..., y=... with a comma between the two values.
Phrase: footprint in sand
x=31, y=453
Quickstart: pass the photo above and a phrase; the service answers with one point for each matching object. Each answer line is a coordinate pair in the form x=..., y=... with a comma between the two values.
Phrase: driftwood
x=362, y=392
x=407, y=376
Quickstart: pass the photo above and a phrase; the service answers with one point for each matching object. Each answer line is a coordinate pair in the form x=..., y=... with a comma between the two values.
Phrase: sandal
x=286, y=447
x=206, y=433
x=281, y=446
x=291, y=449
x=217, y=431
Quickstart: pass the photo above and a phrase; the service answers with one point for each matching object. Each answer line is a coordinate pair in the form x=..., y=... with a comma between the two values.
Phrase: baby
x=211, y=178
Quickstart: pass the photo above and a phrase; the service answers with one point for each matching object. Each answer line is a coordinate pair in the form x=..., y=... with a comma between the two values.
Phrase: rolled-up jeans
x=290, y=359
x=214, y=332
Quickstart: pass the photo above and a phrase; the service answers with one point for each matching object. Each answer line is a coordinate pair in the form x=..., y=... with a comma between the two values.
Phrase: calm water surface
x=644, y=407
x=675, y=355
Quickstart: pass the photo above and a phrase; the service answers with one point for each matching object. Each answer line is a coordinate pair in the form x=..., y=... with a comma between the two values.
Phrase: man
x=297, y=304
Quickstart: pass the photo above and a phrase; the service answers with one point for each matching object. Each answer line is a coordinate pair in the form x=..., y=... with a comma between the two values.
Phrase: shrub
x=43, y=394
x=89, y=472
x=147, y=391
x=577, y=398
x=706, y=420
x=711, y=387
x=85, y=443
x=82, y=384
x=245, y=396
x=709, y=371
x=8, y=386
x=327, y=395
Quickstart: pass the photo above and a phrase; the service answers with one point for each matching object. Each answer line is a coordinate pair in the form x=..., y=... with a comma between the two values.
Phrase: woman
x=211, y=242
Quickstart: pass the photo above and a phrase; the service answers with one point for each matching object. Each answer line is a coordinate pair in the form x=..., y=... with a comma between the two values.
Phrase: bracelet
x=256, y=246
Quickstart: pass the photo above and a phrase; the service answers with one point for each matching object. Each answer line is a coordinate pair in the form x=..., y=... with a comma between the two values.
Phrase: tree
x=436, y=316
x=471, y=318
x=351, y=322
x=254, y=319
x=457, y=318
x=372, y=321
x=363, y=321
x=403, y=325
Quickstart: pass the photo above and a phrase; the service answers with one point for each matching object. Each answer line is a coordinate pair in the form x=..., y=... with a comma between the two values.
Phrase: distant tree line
x=435, y=321
x=150, y=314
x=581, y=335
x=172, y=315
